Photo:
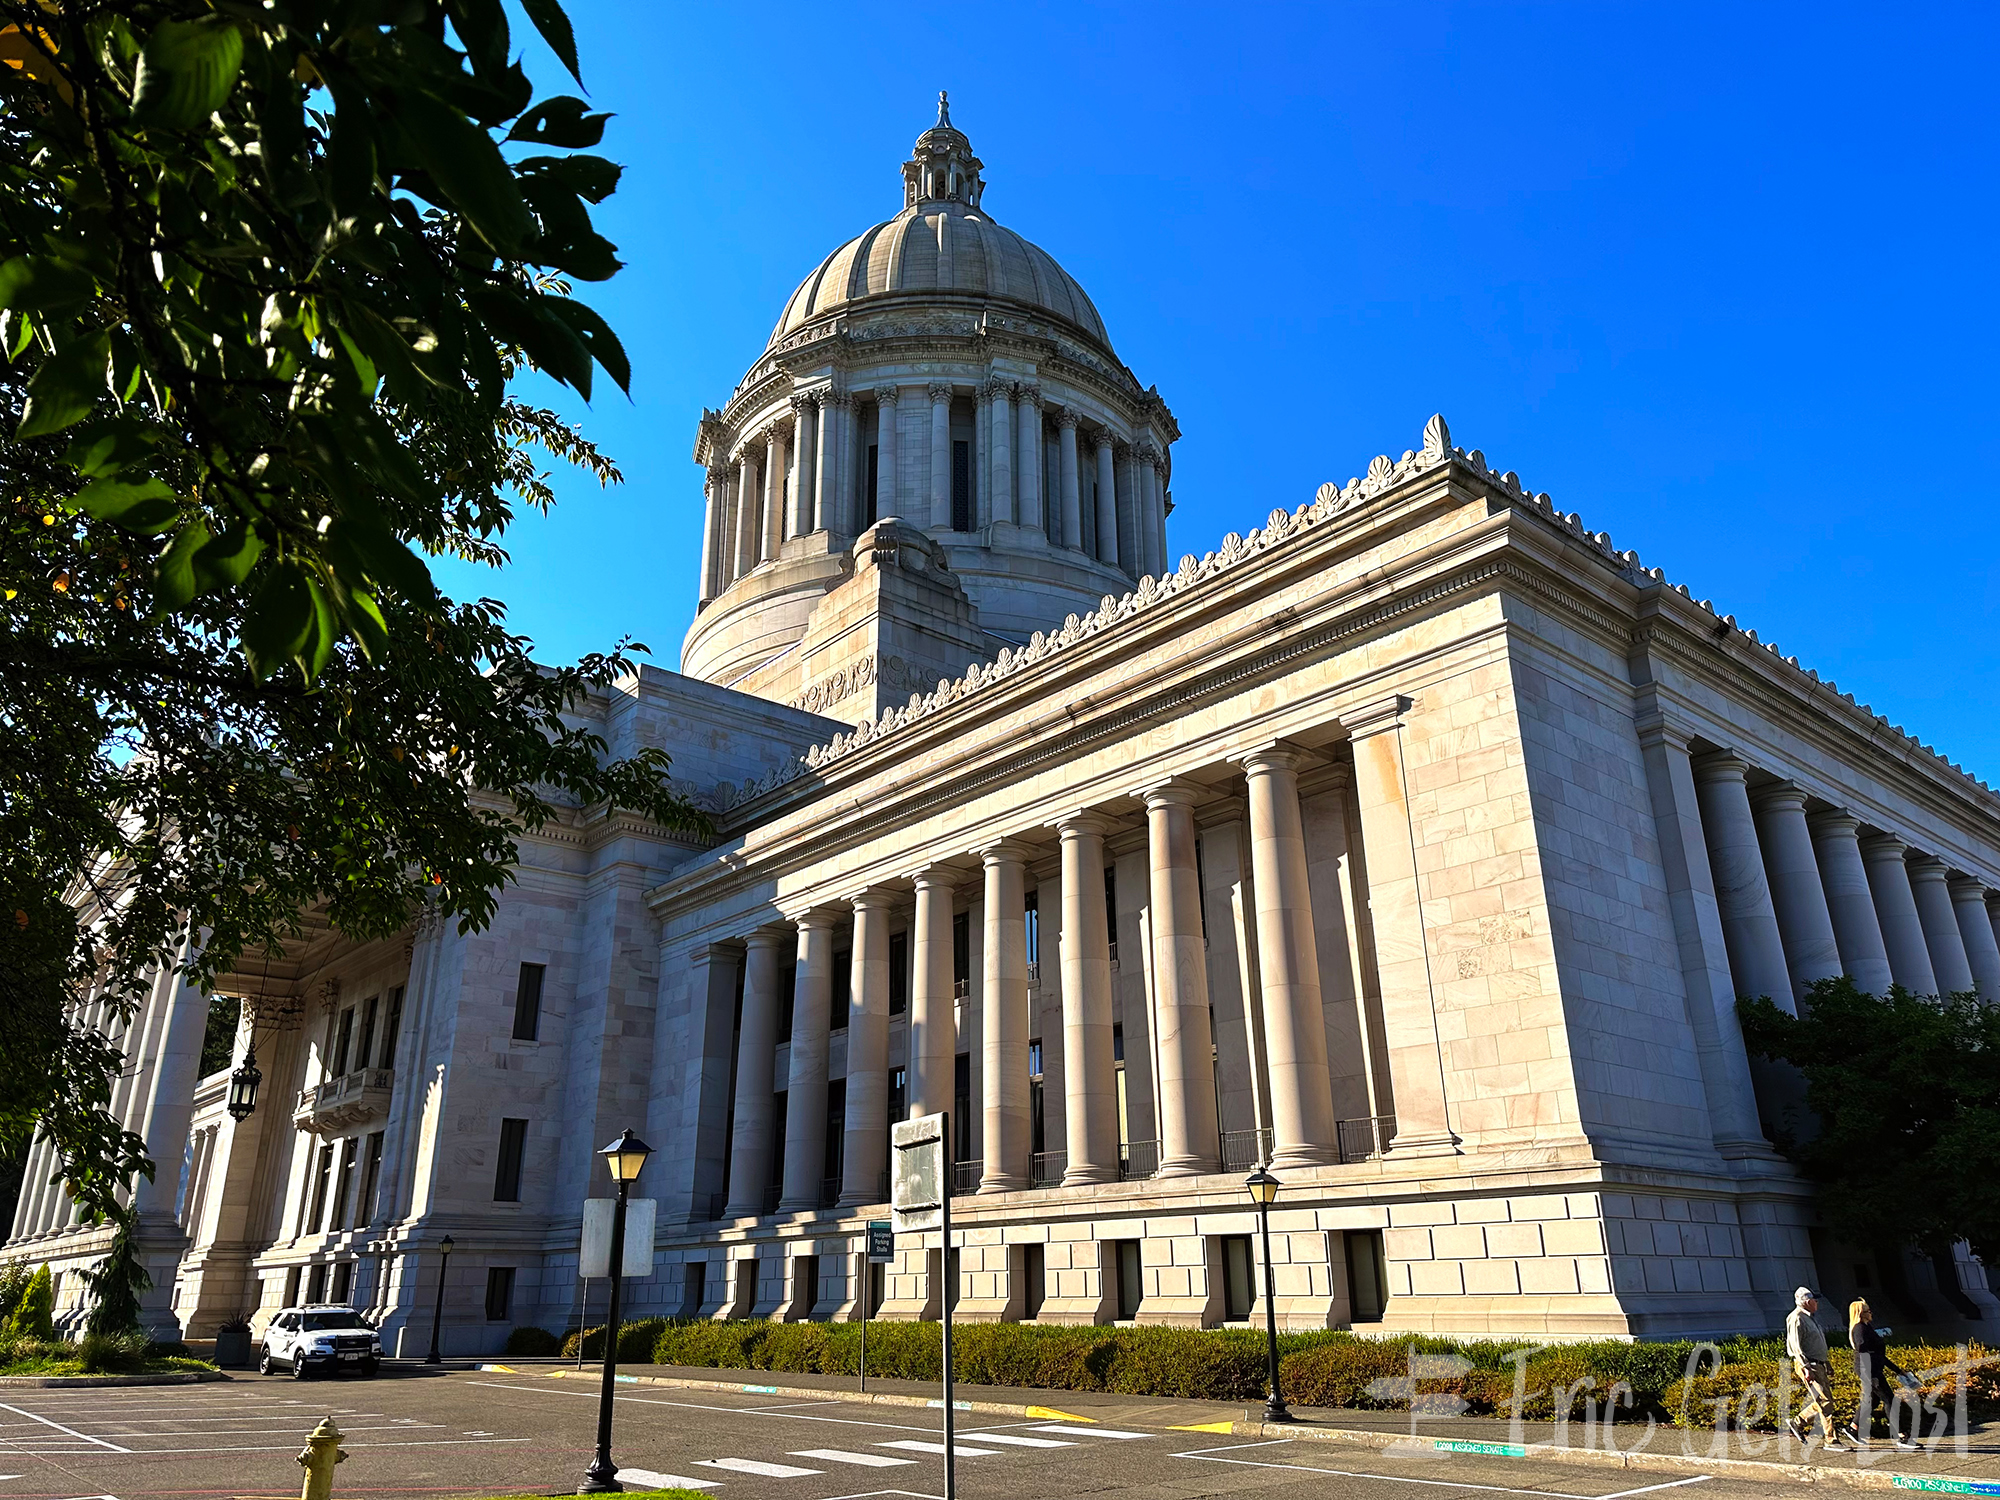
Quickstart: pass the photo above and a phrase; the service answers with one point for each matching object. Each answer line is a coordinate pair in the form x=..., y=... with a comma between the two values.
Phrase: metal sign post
x=881, y=1250
x=920, y=1196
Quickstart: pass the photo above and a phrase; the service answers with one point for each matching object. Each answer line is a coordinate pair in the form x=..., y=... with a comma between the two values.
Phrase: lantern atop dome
x=943, y=168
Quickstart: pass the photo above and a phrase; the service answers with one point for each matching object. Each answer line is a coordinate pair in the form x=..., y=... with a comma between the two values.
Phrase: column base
x=847, y=1202
x=1292, y=1158
x=1002, y=1184
x=1442, y=1143
x=1189, y=1166
x=1089, y=1176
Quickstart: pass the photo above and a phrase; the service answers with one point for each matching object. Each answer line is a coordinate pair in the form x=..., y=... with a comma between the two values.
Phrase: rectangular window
x=391, y=1028
x=961, y=486
x=292, y=1287
x=316, y=1284
x=951, y=1277
x=366, y=1049
x=371, y=1178
x=350, y=1150
x=507, y=1173
x=899, y=1095
x=343, y=1039
x=322, y=1180
x=343, y=1282
x=961, y=954
x=899, y=973
x=1032, y=922
x=874, y=469
x=843, y=990
x=1239, y=1278
x=836, y=1132
x=1035, y=1096
x=1034, y=1280
x=788, y=986
x=1201, y=890
x=1367, y=1276
x=805, y=1283
x=1131, y=1278
x=1111, y=907
x=777, y=1175
x=499, y=1293
x=961, y=1106
x=878, y=1282
x=694, y=1288
x=528, y=1003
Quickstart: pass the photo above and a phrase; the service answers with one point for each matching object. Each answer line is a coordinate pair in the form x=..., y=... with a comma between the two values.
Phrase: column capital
x=1374, y=718
x=1174, y=791
x=876, y=898
x=1967, y=888
x=804, y=404
x=1721, y=765
x=1657, y=728
x=886, y=395
x=936, y=878
x=996, y=389
x=1104, y=438
x=1884, y=848
x=836, y=398
x=1083, y=823
x=1004, y=851
x=809, y=918
x=1067, y=416
x=940, y=391
x=771, y=935
x=1028, y=393
x=1833, y=822
x=1778, y=794
x=1927, y=867
x=1272, y=755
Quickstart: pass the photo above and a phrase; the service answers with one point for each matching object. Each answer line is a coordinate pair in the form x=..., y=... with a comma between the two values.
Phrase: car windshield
x=321, y=1322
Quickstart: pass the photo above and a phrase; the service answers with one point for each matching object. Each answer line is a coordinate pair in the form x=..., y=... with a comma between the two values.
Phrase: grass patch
x=96, y=1354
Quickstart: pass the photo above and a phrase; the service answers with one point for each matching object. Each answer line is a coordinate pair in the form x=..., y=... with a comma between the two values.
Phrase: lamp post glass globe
x=1262, y=1187
x=625, y=1157
x=1263, y=1190
x=243, y=1086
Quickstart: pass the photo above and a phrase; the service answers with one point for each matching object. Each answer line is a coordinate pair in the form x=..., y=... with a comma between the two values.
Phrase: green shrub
x=532, y=1343
x=635, y=1342
x=33, y=1316
x=113, y=1353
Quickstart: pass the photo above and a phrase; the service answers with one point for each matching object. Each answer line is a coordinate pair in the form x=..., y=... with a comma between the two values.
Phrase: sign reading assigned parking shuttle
x=916, y=1173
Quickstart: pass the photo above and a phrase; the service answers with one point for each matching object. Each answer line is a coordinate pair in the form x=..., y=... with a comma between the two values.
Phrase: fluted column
x=865, y=1153
x=168, y=1106
x=1007, y=1120
x=776, y=461
x=1790, y=865
x=1742, y=889
x=1072, y=498
x=749, y=528
x=804, y=516
x=1142, y=495
x=1090, y=1077
x=1000, y=450
x=1844, y=876
x=1189, y=1143
x=805, y=1098
x=1107, y=502
x=1886, y=857
x=1993, y=914
x=1303, y=1130
x=1028, y=466
x=1126, y=464
x=1968, y=900
x=885, y=451
x=826, y=459
x=756, y=1041
x=940, y=394
x=1940, y=922
x=1156, y=511
x=711, y=536
x=933, y=1006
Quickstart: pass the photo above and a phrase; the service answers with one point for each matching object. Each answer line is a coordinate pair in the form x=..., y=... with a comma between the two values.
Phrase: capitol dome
x=942, y=371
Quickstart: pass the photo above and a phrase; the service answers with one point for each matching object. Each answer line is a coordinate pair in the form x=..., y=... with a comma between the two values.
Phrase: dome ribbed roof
x=941, y=242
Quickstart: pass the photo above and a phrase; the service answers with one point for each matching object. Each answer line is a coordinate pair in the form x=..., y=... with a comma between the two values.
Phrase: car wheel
x=298, y=1367
x=368, y=1367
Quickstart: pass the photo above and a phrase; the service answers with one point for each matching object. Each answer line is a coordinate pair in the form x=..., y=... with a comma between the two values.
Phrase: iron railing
x=965, y=1177
x=771, y=1196
x=1138, y=1160
x=1244, y=1149
x=1045, y=1168
x=1366, y=1138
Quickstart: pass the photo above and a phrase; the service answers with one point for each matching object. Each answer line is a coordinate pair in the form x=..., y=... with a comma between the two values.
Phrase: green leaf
x=482, y=26
x=227, y=560
x=173, y=575
x=363, y=617
x=549, y=341
x=362, y=548
x=45, y=284
x=186, y=72
x=562, y=121
x=597, y=337
x=148, y=507
x=279, y=619
x=318, y=652
x=467, y=169
x=554, y=26
x=105, y=449
x=590, y=177
x=66, y=387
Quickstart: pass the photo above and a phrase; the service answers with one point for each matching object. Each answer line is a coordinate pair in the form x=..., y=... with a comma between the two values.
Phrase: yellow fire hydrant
x=322, y=1452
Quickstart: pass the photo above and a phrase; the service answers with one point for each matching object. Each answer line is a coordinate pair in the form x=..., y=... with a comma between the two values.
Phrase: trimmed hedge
x=532, y=1343
x=1331, y=1368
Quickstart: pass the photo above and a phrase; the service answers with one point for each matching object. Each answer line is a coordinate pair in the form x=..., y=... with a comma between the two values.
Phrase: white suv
x=319, y=1337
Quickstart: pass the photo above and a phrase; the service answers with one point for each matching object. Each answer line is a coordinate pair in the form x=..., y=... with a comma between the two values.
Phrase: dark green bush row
x=533, y=1343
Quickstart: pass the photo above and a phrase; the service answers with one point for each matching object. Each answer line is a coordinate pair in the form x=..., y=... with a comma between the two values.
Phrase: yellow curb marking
x=1050, y=1414
x=1206, y=1427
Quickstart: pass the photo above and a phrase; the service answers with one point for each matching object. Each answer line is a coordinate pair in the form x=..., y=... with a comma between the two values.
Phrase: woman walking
x=1872, y=1367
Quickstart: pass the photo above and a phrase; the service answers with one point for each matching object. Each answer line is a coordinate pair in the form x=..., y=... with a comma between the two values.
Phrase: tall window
x=961, y=486
x=316, y=1283
x=343, y=1038
x=499, y=1293
x=1035, y=1094
x=343, y=1281
x=528, y=1003
x=1032, y=915
x=899, y=973
x=366, y=1048
x=507, y=1173
x=1111, y=907
x=780, y=1101
x=961, y=954
x=371, y=1178
x=1239, y=1281
x=349, y=1150
x=961, y=1107
x=836, y=1130
x=874, y=469
x=843, y=989
x=899, y=1095
x=322, y=1180
x=788, y=993
x=391, y=1028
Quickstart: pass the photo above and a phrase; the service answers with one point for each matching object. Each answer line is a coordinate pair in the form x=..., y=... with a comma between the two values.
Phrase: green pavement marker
x=761, y=1390
x=1946, y=1486
x=1492, y=1450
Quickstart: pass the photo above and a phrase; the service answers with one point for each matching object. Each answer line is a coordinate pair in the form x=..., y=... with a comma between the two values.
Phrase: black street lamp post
x=437, y=1312
x=1263, y=1188
x=624, y=1156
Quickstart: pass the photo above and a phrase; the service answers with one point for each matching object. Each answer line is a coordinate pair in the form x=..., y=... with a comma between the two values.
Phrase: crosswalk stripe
x=756, y=1466
x=653, y=1480
x=841, y=1456
x=964, y=1450
x=1103, y=1432
x=1012, y=1441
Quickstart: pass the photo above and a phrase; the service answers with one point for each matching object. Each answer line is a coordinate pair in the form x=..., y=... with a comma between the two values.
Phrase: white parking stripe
x=86, y=1437
x=984, y=1435
x=653, y=1480
x=963, y=1450
x=841, y=1456
x=1215, y=1456
x=756, y=1466
x=1104, y=1432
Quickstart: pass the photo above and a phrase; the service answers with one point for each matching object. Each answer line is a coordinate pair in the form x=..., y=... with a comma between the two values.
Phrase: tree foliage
x=33, y=1314
x=1905, y=1094
x=267, y=269
x=115, y=1285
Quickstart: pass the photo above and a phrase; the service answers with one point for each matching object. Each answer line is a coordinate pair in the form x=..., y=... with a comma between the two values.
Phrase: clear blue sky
x=1720, y=279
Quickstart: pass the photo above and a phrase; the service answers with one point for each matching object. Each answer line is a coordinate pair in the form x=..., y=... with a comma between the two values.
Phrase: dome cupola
x=943, y=168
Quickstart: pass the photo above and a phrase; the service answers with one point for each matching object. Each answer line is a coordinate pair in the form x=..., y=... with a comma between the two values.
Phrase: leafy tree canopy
x=267, y=269
x=1905, y=1091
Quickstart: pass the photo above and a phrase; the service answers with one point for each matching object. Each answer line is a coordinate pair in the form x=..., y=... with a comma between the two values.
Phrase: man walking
x=1805, y=1342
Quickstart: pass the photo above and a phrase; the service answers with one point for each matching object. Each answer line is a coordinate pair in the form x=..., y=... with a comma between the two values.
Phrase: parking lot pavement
x=419, y=1435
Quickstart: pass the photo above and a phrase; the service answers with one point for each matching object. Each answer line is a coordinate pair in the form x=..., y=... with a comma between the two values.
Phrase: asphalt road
x=431, y=1433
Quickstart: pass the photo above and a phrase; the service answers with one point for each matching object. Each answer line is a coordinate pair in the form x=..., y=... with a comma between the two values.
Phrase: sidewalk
x=1767, y=1457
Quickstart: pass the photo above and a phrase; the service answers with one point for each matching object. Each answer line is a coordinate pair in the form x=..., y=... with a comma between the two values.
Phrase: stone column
x=1190, y=1142
x=865, y=1153
x=1130, y=548
x=749, y=529
x=1402, y=953
x=1742, y=890
x=1726, y=1078
x=1792, y=868
x=1000, y=450
x=1968, y=900
x=805, y=1100
x=804, y=515
x=1072, y=496
x=1090, y=1113
x=1941, y=935
x=1008, y=1123
x=940, y=394
x=933, y=1006
x=711, y=536
x=750, y=1151
x=1844, y=876
x=1993, y=913
x=1028, y=465
x=1107, y=502
x=776, y=462
x=1896, y=909
x=169, y=1101
x=1303, y=1130
x=885, y=451
x=826, y=457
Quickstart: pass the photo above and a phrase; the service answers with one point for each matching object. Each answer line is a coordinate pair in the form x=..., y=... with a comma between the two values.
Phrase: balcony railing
x=1138, y=1160
x=347, y=1100
x=1366, y=1138
x=1244, y=1149
x=1046, y=1168
x=965, y=1177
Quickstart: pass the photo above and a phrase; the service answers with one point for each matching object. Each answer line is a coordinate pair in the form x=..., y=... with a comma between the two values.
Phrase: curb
x=168, y=1377
x=1665, y=1463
